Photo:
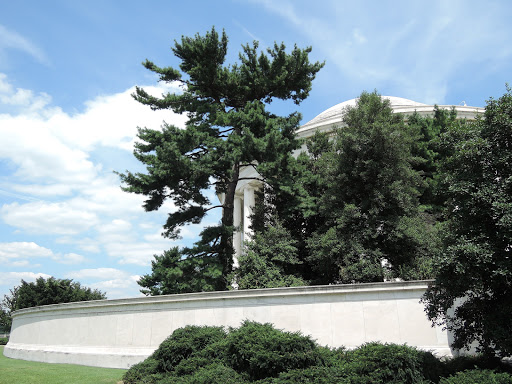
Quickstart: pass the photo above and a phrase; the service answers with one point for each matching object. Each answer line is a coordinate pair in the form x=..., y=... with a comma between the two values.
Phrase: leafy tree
x=372, y=170
x=44, y=292
x=7, y=306
x=171, y=272
x=475, y=270
x=228, y=127
x=286, y=217
x=370, y=204
x=269, y=261
x=429, y=153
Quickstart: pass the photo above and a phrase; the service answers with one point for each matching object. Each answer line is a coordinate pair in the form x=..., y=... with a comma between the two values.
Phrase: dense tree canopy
x=45, y=292
x=228, y=127
x=349, y=205
x=475, y=269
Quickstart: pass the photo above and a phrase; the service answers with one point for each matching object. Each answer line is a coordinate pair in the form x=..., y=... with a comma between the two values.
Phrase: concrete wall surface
x=120, y=333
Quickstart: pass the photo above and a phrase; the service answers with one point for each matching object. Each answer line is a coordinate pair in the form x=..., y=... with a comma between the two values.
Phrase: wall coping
x=359, y=288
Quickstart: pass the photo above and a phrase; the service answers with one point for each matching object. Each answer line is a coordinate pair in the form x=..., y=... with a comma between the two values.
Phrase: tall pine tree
x=228, y=127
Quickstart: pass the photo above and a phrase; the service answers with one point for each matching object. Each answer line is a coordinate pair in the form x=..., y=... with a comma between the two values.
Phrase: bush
x=142, y=372
x=482, y=362
x=478, y=376
x=4, y=340
x=216, y=373
x=182, y=353
x=259, y=353
x=391, y=363
x=262, y=351
x=185, y=343
x=312, y=375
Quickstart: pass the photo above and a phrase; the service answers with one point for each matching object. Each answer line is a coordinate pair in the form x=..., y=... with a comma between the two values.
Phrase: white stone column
x=249, y=202
x=237, y=234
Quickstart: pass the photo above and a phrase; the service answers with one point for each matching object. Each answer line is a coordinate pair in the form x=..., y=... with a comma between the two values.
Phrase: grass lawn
x=30, y=372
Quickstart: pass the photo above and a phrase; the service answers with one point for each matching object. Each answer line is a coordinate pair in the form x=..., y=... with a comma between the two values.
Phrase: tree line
x=43, y=292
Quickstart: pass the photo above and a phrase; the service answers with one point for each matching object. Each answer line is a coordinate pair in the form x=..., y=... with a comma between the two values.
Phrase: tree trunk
x=226, y=241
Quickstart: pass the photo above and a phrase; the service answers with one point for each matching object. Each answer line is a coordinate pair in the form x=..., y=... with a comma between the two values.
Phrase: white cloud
x=20, y=254
x=70, y=258
x=58, y=184
x=119, y=288
x=139, y=253
x=115, y=282
x=13, y=40
x=86, y=244
x=48, y=218
x=11, y=279
x=16, y=253
x=415, y=57
x=98, y=274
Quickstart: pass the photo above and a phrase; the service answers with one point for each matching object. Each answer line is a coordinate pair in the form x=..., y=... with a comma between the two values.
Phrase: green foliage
x=53, y=291
x=312, y=375
x=216, y=373
x=174, y=272
x=350, y=205
x=144, y=372
x=7, y=306
x=44, y=292
x=477, y=376
x=259, y=353
x=228, y=127
x=185, y=343
x=390, y=363
x=483, y=362
x=475, y=270
x=4, y=340
x=372, y=225
x=429, y=152
x=270, y=260
x=262, y=351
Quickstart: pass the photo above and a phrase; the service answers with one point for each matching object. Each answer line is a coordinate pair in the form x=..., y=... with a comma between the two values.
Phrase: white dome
x=334, y=115
x=337, y=110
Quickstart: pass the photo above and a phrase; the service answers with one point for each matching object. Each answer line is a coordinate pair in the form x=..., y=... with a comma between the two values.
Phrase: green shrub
x=483, y=362
x=216, y=373
x=142, y=372
x=390, y=363
x=4, y=340
x=478, y=376
x=262, y=351
x=184, y=343
x=182, y=353
x=311, y=375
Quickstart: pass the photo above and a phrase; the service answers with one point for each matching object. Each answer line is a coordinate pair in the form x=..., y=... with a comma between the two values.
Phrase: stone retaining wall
x=120, y=333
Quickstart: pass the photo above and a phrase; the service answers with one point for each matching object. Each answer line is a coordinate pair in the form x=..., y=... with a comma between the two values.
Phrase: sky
x=68, y=121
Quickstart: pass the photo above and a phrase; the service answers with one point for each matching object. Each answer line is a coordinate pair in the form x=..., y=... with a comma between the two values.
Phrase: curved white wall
x=120, y=333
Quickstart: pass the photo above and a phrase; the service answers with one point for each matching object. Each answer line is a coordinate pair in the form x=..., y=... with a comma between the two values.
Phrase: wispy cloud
x=12, y=40
x=410, y=49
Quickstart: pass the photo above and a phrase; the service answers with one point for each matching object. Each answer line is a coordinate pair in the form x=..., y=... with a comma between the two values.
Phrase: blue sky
x=67, y=121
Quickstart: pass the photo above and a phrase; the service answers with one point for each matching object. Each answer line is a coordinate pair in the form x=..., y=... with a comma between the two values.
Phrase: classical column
x=249, y=202
x=237, y=234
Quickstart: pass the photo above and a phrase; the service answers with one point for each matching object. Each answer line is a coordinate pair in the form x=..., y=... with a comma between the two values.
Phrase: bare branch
x=215, y=206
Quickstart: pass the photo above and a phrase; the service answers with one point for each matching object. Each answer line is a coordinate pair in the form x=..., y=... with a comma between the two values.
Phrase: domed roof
x=336, y=112
x=334, y=115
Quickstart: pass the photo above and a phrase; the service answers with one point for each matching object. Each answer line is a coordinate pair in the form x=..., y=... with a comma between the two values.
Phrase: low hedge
x=259, y=353
x=4, y=340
